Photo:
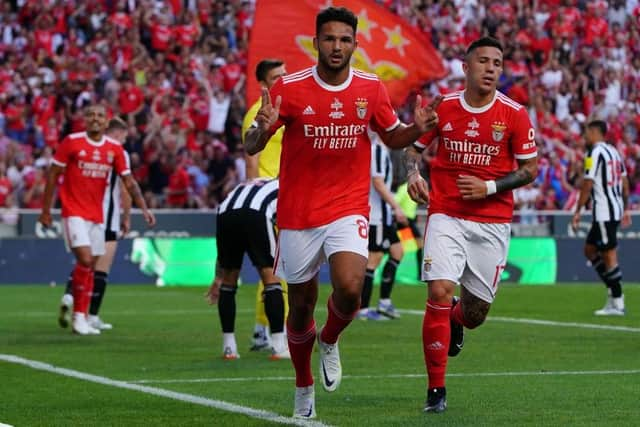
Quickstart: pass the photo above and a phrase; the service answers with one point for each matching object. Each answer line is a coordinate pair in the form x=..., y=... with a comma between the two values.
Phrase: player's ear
x=315, y=43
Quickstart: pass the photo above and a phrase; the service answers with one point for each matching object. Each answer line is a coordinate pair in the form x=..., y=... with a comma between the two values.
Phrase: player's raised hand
x=268, y=112
x=426, y=118
x=471, y=187
x=418, y=188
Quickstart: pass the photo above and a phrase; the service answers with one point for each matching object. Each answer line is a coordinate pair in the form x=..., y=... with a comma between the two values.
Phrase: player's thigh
x=231, y=241
x=444, y=249
x=105, y=261
x=299, y=254
x=391, y=236
x=76, y=232
x=347, y=234
x=487, y=248
x=97, y=238
x=259, y=246
x=376, y=238
x=603, y=235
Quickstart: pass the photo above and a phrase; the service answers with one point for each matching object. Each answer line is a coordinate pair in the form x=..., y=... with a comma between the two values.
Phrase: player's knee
x=440, y=291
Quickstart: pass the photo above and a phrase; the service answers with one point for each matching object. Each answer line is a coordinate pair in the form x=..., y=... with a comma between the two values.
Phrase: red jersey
x=326, y=152
x=484, y=142
x=88, y=165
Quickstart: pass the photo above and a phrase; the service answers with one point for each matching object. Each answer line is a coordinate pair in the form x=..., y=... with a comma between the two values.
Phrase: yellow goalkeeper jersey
x=269, y=158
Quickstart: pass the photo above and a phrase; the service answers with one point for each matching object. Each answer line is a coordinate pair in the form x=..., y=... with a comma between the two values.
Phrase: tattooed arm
x=416, y=185
x=473, y=188
x=134, y=190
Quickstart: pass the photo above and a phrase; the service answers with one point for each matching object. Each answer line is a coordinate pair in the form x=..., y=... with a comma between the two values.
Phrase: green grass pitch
x=512, y=371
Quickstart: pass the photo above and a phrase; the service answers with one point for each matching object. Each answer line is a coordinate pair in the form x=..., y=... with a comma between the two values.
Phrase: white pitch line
x=184, y=397
x=367, y=377
x=545, y=322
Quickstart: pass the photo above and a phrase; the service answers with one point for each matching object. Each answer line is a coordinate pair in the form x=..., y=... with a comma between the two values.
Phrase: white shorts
x=470, y=253
x=301, y=252
x=79, y=232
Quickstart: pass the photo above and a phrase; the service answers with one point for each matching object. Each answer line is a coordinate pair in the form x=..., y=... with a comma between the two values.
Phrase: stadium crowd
x=176, y=72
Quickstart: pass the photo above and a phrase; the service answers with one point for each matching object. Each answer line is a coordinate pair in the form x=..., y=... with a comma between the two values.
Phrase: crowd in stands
x=176, y=71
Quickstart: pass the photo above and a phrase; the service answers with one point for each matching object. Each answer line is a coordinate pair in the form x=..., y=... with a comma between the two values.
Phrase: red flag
x=388, y=46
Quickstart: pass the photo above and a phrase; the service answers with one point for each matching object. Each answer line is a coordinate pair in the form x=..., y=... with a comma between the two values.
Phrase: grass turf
x=169, y=338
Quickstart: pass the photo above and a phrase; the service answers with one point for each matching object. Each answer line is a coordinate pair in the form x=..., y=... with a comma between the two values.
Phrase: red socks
x=436, y=335
x=300, y=347
x=82, y=287
x=336, y=323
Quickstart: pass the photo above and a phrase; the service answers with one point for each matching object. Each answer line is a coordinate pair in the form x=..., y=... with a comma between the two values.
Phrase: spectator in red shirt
x=177, y=191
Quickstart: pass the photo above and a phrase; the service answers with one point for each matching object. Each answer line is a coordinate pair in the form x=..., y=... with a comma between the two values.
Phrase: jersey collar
x=477, y=110
x=92, y=142
x=327, y=86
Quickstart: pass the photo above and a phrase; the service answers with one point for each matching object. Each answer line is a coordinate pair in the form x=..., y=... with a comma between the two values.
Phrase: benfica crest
x=361, y=107
x=498, y=131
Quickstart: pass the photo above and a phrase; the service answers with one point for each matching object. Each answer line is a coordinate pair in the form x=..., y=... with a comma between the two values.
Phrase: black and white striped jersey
x=381, y=167
x=112, y=202
x=259, y=195
x=605, y=167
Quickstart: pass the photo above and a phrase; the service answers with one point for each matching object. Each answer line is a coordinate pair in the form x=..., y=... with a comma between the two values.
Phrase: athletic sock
x=274, y=306
x=388, y=277
x=436, y=332
x=227, y=307
x=612, y=279
x=300, y=348
x=99, y=288
x=367, y=288
x=69, y=288
x=81, y=278
x=336, y=322
x=598, y=265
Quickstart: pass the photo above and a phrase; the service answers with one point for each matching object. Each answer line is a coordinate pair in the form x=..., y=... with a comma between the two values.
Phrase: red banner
x=388, y=46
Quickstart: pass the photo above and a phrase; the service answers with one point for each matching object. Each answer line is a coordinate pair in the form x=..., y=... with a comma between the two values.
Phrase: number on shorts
x=496, y=278
x=363, y=228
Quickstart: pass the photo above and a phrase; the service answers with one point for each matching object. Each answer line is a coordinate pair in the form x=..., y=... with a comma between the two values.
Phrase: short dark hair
x=340, y=14
x=116, y=123
x=266, y=65
x=484, y=42
x=600, y=125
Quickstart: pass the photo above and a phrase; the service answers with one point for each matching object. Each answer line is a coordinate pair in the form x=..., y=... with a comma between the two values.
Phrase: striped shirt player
x=605, y=167
x=112, y=205
x=383, y=231
x=605, y=183
x=245, y=223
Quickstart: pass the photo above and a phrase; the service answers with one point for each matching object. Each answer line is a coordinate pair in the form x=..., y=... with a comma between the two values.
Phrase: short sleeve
x=426, y=139
x=63, y=153
x=384, y=118
x=591, y=164
x=121, y=162
x=523, y=138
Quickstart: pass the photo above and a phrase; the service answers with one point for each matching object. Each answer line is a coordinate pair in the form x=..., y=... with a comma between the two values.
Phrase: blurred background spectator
x=175, y=71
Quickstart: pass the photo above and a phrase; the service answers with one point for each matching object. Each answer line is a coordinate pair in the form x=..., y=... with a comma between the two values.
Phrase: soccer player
x=246, y=223
x=264, y=164
x=324, y=188
x=383, y=234
x=116, y=222
x=85, y=159
x=482, y=134
x=605, y=182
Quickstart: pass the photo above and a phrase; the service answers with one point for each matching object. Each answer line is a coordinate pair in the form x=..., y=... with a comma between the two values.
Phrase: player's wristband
x=491, y=187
